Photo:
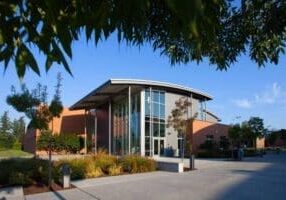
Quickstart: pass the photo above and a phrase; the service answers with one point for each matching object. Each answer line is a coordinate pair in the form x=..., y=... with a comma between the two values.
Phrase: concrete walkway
x=13, y=193
x=253, y=178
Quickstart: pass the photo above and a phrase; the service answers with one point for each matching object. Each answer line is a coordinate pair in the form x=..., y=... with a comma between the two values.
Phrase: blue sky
x=244, y=90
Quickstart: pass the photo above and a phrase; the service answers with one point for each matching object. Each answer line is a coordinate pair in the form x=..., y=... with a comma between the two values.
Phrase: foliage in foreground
x=184, y=30
x=28, y=171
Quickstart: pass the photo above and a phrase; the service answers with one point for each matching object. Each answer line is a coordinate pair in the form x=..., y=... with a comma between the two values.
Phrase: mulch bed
x=40, y=187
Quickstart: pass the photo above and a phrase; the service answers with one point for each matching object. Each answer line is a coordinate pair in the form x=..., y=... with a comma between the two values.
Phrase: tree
x=182, y=30
x=235, y=135
x=6, y=137
x=182, y=122
x=5, y=124
x=256, y=128
x=19, y=128
x=34, y=105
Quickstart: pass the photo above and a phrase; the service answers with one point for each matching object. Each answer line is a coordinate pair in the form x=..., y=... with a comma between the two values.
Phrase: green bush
x=6, y=141
x=104, y=161
x=23, y=171
x=17, y=145
x=78, y=168
x=60, y=142
x=137, y=164
x=71, y=142
x=115, y=170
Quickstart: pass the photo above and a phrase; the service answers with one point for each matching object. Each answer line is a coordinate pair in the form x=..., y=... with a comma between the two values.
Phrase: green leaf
x=1, y=38
x=31, y=61
x=21, y=57
x=61, y=57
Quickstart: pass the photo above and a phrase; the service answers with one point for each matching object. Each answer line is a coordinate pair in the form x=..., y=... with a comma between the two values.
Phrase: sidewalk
x=13, y=193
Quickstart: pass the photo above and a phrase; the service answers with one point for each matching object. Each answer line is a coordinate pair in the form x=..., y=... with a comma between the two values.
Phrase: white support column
x=109, y=127
x=191, y=100
x=151, y=124
x=142, y=122
x=129, y=119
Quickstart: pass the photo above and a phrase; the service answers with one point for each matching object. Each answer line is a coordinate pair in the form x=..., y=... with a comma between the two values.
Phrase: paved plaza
x=253, y=178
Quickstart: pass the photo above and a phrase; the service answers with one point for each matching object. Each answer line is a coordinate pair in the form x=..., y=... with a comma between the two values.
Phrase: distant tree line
x=247, y=132
x=11, y=132
x=244, y=133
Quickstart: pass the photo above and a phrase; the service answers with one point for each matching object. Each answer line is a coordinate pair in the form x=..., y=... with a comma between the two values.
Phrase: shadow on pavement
x=268, y=182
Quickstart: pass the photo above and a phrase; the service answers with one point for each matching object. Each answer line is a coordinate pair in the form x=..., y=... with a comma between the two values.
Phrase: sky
x=244, y=90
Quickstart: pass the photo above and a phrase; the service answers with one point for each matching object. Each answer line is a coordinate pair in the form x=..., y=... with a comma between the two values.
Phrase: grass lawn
x=13, y=153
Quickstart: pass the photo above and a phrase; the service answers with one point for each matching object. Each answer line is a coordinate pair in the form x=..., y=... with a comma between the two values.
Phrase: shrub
x=115, y=170
x=104, y=161
x=23, y=171
x=60, y=142
x=45, y=138
x=17, y=145
x=137, y=164
x=71, y=142
x=19, y=178
x=77, y=165
x=92, y=170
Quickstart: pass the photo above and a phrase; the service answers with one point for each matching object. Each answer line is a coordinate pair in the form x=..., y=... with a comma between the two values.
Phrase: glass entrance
x=158, y=144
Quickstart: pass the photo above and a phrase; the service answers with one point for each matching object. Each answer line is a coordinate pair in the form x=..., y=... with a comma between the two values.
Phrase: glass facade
x=155, y=124
x=121, y=126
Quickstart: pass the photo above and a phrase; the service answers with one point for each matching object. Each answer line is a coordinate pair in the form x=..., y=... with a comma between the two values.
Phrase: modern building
x=130, y=116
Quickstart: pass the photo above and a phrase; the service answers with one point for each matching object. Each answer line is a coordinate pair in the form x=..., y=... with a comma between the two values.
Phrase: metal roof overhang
x=119, y=87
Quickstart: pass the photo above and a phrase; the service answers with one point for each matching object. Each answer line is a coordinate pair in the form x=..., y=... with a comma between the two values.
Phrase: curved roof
x=114, y=87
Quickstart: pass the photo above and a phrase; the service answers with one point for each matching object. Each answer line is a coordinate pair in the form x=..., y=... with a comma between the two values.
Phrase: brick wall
x=203, y=128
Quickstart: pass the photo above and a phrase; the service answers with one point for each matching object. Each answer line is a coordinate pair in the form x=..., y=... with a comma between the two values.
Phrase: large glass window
x=135, y=124
x=120, y=126
x=154, y=120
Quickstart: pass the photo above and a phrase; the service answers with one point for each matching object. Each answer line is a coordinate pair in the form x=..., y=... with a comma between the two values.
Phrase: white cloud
x=243, y=103
x=273, y=94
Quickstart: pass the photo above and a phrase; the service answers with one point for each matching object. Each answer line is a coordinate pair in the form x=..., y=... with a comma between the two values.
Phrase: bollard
x=66, y=171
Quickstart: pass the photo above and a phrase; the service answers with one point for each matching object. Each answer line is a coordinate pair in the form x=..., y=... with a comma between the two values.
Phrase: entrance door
x=158, y=144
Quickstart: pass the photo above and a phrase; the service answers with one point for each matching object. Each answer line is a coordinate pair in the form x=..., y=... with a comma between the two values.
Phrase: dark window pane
x=156, y=129
x=156, y=147
x=147, y=144
x=147, y=129
x=162, y=130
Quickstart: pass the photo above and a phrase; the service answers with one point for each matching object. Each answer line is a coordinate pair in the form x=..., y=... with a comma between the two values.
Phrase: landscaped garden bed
x=42, y=187
x=32, y=173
